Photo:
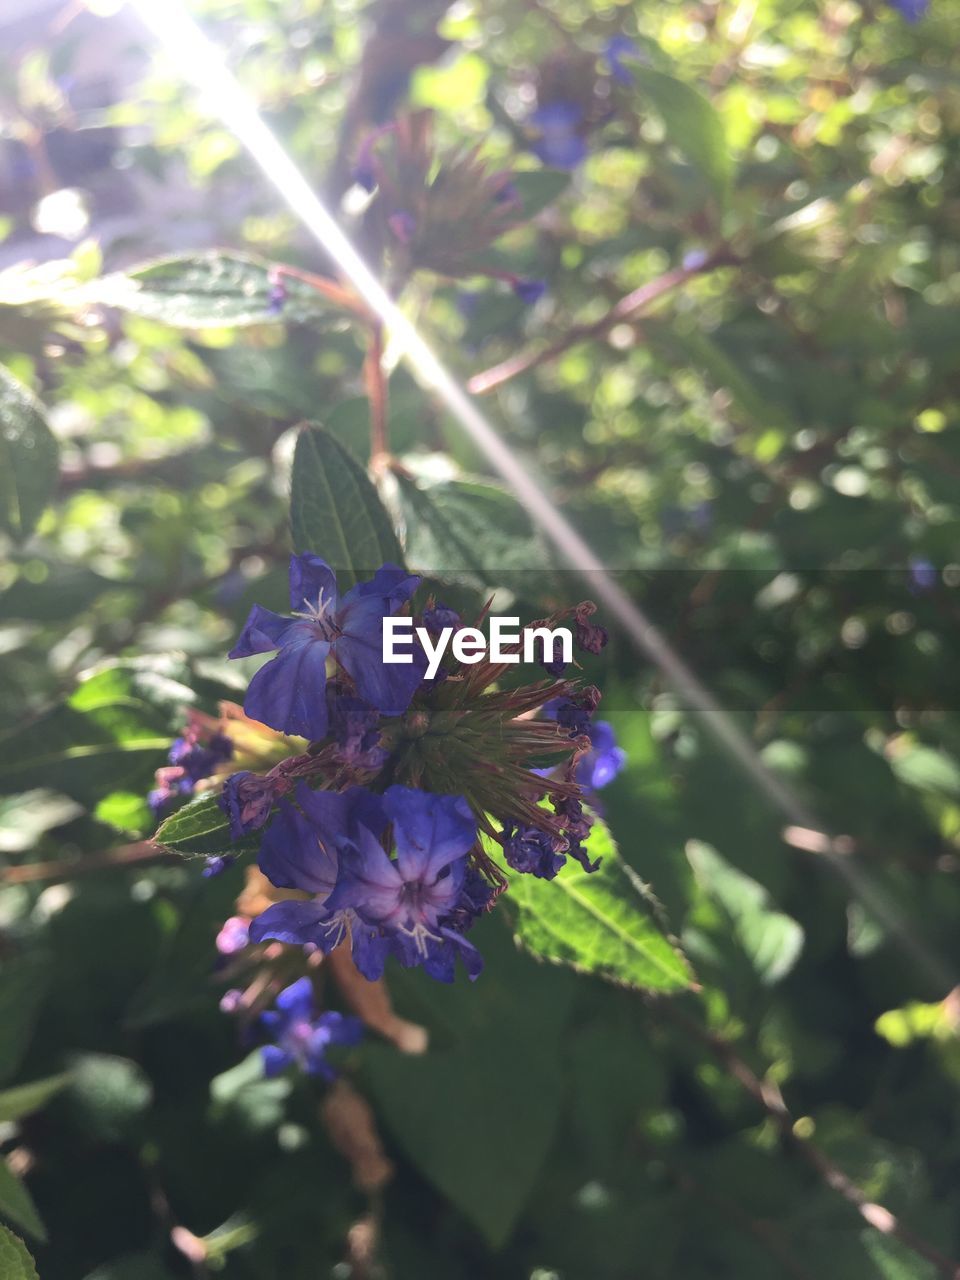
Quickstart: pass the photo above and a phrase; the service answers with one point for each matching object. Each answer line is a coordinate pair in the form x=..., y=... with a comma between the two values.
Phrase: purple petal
x=296, y=922
x=287, y=693
x=310, y=579
x=263, y=630
x=430, y=831
x=292, y=855
x=275, y=1060
x=296, y=1001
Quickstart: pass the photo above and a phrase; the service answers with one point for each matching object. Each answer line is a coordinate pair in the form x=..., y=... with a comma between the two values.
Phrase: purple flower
x=617, y=50
x=532, y=851
x=301, y=1036
x=603, y=761
x=559, y=142
x=190, y=761
x=198, y=761
x=912, y=10
x=288, y=693
x=277, y=296
x=529, y=291
x=408, y=906
x=247, y=799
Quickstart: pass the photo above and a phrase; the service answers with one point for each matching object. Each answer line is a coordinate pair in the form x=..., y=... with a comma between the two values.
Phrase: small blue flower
x=912, y=10
x=529, y=291
x=569, y=715
x=217, y=865
x=288, y=693
x=301, y=1036
x=403, y=225
x=198, y=761
x=603, y=761
x=559, y=141
x=616, y=51
x=437, y=615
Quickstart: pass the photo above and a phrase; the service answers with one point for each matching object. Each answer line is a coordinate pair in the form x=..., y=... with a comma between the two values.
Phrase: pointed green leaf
x=29, y=457
x=217, y=289
x=596, y=922
x=335, y=511
x=692, y=123
x=199, y=828
x=16, y=1205
x=15, y=1261
x=26, y=1098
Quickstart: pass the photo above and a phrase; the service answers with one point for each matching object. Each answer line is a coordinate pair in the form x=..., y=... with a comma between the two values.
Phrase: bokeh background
x=768, y=456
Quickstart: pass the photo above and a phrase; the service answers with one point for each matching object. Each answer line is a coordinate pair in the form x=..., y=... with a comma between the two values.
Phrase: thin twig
x=768, y=1094
x=375, y=382
x=125, y=855
x=623, y=312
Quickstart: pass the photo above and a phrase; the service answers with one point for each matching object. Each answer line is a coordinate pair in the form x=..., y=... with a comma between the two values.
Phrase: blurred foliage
x=768, y=454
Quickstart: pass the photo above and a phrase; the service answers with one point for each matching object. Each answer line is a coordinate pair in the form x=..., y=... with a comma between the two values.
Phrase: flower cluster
x=381, y=819
x=197, y=755
x=300, y=1036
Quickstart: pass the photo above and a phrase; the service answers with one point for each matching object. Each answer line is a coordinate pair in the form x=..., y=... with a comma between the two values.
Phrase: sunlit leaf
x=335, y=511
x=15, y=1260
x=693, y=125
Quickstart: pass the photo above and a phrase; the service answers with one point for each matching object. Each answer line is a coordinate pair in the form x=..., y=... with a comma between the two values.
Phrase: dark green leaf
x=335, y=511
x=598, y=922
x=26, y=1098
x=15, y=1261
x=23, y=984
x=29, y=457
x=199, y=828
x=217, y=289
x=468, y=530
x=112, y=733
x=692, y=124
x=16, y=1205
x=477, y=1126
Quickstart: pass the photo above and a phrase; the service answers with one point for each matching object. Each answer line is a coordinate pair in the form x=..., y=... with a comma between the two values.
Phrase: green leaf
x=538, y=188
x=29, y=458
x=693, y=125
x=200, y=828
x=16, y=1205
x=596, y=922
x=477, y=1112
x=335, y=511
x=15, y=1261
x=771, y=939
x=24, y=980
x=216, y=289
x=111, y=734
x=26, y=1098
x=468, y=530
